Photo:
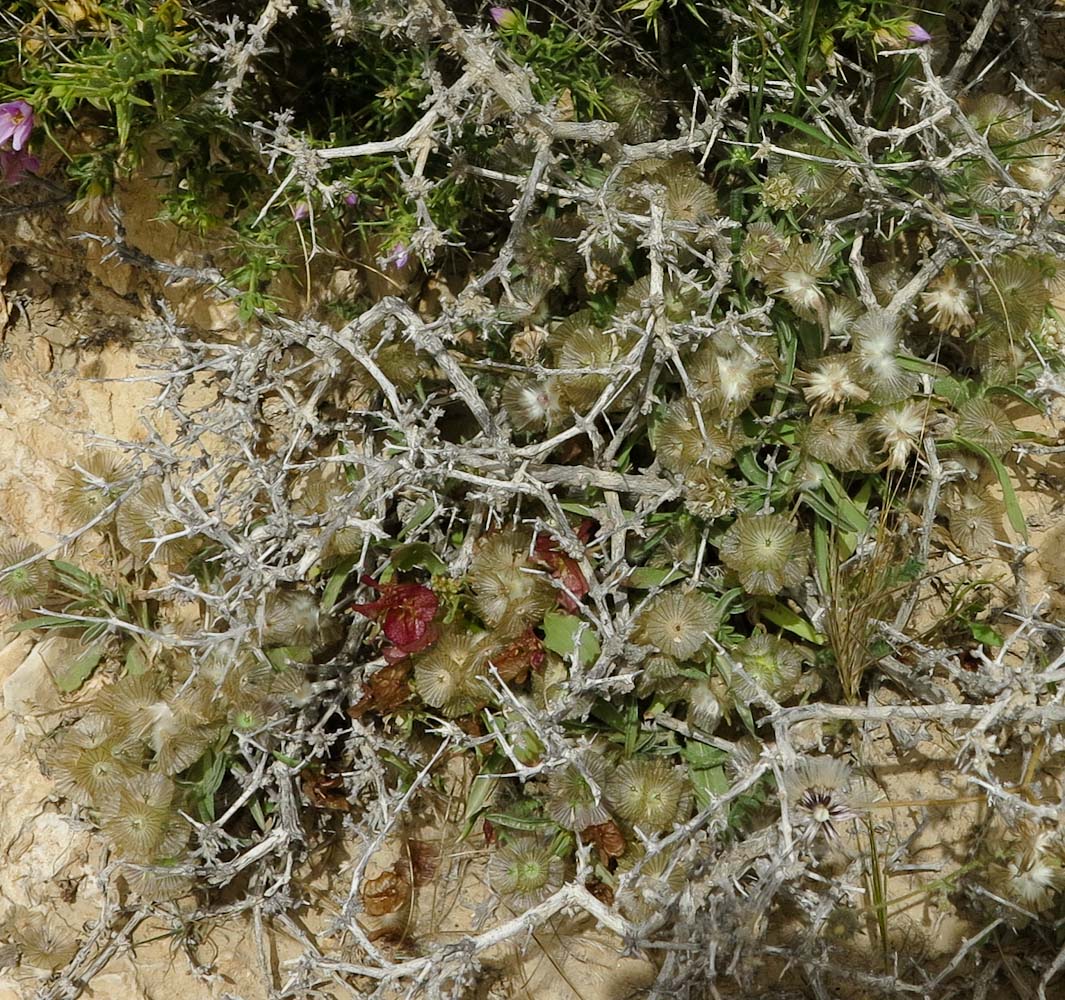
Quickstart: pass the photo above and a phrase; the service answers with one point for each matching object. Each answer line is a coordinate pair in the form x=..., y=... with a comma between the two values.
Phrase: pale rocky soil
x=70, y=325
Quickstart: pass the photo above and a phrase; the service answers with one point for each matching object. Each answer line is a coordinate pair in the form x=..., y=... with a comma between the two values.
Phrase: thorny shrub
x=687, y=343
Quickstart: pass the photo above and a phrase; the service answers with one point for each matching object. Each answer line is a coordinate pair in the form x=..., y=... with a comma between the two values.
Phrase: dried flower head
x=91, y=763
x=450, y=676
x=1030, y=869
x=948, y=302
x=708, y=494
x=876, y=345
x=832, y=382
x=571, y=800
x=763, y=247
x=728, y=382
x=767, y=551
x=140, y=820
x=1014, y=294
x=995, y=115
x=292, y=618
x=688, y=197
x=779, y=193
x=524, y=872
x=797, y=278
x=985, y=424
x=974, y=519
x=901, y=429
x=91, y=486
x=685, y=437
x=660, y=879
x=818, y=794
x=837, y=439
x=637, y=106
x=547, y=248
x=41, y=941
x=677, y=622
x=533, y=404
x=705, y=710
x=649, y=793
x=579, y=345
x=148, y=530
x=812, y=168
x=27, y=586
x=509, y=594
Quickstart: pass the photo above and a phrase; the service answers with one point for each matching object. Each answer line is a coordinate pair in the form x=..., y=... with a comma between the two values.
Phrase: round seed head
x=637, y=106
x=727, y=382
x=41, y=941
x=818, y=794
x=91, y=486
x=688, y=197
x=138, y=816
x=762, y=250
x=649, y=793
x=533, y=404
x=25, y=587
x=449, y=677
x=524, y=872
x=87, y=769
x=292, y=618
x=508, y=595
x=985, y=424
x=767, y=552
x=975, y=521
x=833, y=382
x=1014, y=294
x=571, y=800
x=837, y=439
x=547, y=248
x=677, y=623
x=901, y=429
x=704, y=705
x=814, y=180
x=707, y=493
x=997, y=117
x=948, y=302
x=144, y=519
x=798, y=277
x=680, y=442
x=661, y=878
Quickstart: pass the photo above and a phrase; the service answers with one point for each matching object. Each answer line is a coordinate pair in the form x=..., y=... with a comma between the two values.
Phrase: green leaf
x=416, y=554
x=562, y=633
x=71, y=676
x=982, y=632
x=528, y=823
x=706, y=772
x=783, y=616
x=337, y=579
x=646, y=577
x=136, y=665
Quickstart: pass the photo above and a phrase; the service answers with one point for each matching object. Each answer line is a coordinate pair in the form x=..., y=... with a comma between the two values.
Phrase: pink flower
x=16, y=123
x=400, y=256
x=351, y=199
x=503, y=16
x=301, y=211
x=14, y=166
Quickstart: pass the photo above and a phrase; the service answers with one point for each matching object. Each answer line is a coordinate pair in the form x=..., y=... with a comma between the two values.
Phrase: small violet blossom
x=503, y=16
x=400, y=256
x=301, y=211
x=916, y=34
x=351, y=199
x=16, y=123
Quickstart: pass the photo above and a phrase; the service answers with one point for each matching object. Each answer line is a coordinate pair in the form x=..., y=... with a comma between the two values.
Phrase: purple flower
x=503, y=16
x=14, y=166
x=916, y=34
x=301, y=211
x=400, y=256
x=351, y=199
x=16, y=123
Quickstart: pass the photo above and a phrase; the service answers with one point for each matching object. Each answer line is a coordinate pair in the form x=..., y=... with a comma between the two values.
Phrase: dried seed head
x=680, y=442
x=762, y=250
x=688, y=197
x=814, y=180
x=509, y=595
x=985, y=424
x=727, y=382
x=89, y=767
x=450, y=676
x=704, y=705
x=524, y=872
x=144, y=521
x=91, y=486
x=901, y=428
x=155, y=884
x=767, y=552
x=818, y=794
x=1014, y=295
x=648, y=793
x=708, y=494
x=41, y=941
x=840, y=317
x=677, y=623
x=1030, y=869
x=577, y=345
x=974, y=518
x=661, y=877
x=25, y=587
x=533, y=404
x=876, y=345
x=139, y=817
x=779, y=193
x=547, y=248
x=797, y=278
x=997, y=117
x=948, y=302
x=571, y=801
x=638, y=107
x=833, y=382
x=837, y=439
x=292, y=618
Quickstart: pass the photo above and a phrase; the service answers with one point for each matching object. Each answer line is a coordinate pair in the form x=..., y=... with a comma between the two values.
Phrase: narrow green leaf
x=783, y=616
x=71, y=676
x=1009, y=495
